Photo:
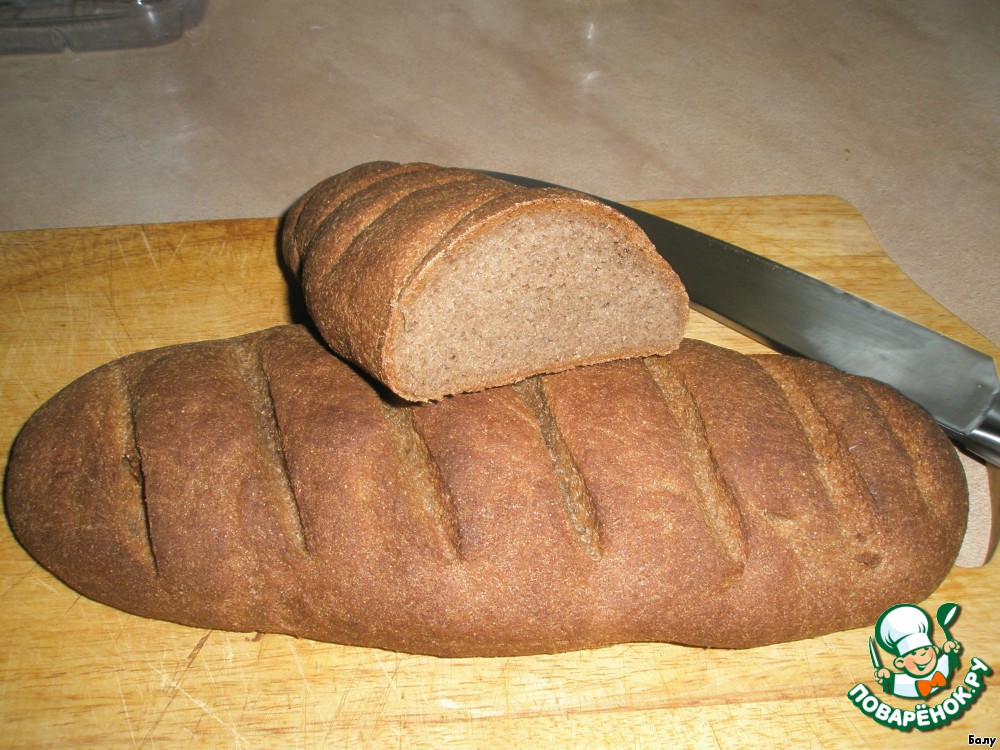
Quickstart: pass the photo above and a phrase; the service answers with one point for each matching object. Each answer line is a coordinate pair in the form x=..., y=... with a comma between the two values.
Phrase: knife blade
x=799, y=314
x=873, y=652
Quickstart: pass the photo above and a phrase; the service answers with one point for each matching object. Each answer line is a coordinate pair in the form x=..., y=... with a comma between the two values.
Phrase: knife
x=873, y=652
x=798, y=314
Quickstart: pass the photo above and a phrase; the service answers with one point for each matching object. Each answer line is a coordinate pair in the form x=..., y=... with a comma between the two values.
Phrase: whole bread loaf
x=439, y=281
x=705, y=498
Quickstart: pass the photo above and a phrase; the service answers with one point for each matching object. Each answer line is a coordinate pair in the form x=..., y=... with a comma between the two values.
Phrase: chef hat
x=903, y=628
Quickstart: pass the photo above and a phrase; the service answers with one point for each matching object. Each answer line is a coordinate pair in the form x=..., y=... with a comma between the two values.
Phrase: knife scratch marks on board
x=228, y=723
x=70, y=348
x=121, y=326
x=390, y=676
x=197, y=649
x=308, y=687
x=216, y=248
x=150, y=253
x=8, y=586
x=111, y=344
x=173, y=254
x=45, y=584
x=121, y=250
x=72, y=604
x=173, y=685
x=392, y=688
x=12, y=358
x=112, y=299
x=342, y=704
x=128, y=717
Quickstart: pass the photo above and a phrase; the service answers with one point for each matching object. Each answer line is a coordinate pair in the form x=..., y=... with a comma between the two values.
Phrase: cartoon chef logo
x=922, y=667
x=918, y=669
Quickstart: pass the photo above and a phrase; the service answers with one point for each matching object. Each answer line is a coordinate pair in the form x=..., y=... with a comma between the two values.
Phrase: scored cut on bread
x=705, y=497
x=439, y=281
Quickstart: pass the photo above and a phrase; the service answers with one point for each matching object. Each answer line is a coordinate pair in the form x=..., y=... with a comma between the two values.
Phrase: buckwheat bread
x=705, y=498
x=439, y=281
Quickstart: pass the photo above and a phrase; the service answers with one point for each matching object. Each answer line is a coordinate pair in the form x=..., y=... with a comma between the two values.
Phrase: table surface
x=78, y=674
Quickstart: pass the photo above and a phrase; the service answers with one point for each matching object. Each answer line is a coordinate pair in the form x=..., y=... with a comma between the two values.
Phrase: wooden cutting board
x=79, y=674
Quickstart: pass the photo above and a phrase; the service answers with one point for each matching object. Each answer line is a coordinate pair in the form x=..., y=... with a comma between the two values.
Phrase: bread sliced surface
x=440, y=281
x=704, y=498
x=536, y=287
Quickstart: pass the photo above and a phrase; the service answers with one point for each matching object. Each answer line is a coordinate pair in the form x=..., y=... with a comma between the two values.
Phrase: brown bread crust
x=304, y=218
x=706, y=498
x=367, y=243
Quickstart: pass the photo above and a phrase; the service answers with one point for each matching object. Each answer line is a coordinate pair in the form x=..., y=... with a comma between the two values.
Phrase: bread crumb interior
x=536, y=293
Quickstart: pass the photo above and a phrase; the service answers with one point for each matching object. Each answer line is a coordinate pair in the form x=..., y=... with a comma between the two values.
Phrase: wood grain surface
x=78, y=674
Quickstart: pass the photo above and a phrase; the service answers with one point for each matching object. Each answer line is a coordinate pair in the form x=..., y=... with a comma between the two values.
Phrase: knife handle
x=983, y=440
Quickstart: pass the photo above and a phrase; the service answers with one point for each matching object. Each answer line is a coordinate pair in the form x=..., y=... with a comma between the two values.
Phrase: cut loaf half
x=439, y=281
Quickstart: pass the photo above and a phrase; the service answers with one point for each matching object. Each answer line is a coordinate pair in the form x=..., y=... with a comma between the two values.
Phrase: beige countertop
x=894, y=106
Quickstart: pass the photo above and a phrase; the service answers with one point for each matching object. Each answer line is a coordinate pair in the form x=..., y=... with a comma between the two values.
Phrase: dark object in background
x=84, y=25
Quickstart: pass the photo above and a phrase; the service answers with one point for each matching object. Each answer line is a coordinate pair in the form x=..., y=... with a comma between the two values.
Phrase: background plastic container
x=84, y=25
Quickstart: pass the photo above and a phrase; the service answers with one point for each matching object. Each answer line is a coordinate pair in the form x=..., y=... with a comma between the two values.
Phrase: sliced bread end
x=542, y=287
